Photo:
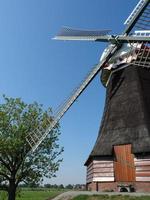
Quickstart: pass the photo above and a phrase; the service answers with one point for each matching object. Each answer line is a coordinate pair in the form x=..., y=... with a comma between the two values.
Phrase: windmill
x=121, y=155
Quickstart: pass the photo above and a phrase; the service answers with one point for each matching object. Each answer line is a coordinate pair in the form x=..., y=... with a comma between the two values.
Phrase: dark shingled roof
x=126, y=118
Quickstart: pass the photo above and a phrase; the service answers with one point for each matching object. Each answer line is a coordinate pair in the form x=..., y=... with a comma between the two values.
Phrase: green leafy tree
x=69, y=186
x=61, y=186
x=17, y=163
x=47, y=185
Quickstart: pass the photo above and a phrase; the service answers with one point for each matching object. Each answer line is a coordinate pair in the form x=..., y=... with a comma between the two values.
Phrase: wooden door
x=124, y=168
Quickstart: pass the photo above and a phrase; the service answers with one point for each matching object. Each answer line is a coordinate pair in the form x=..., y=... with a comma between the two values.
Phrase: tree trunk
x=11, y=190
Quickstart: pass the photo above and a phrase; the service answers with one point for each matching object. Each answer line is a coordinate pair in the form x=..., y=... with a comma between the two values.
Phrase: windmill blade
x=139, y=19
x=119, y=39
x=35, y=138
x=142, y=55
x=67, y=33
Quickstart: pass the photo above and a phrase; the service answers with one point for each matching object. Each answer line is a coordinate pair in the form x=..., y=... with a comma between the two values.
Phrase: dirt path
x=69, y=195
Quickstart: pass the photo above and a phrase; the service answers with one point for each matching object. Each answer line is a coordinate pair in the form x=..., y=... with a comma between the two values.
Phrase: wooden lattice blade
x=139, y=19
x=67, y=33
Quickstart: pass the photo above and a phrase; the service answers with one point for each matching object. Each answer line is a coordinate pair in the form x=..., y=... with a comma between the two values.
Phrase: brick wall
x=142, y=186
x=113, y=186
x=97, y=186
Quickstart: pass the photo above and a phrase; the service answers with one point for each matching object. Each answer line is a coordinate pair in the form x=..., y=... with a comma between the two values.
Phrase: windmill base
x=119, y=187
x=122, y=172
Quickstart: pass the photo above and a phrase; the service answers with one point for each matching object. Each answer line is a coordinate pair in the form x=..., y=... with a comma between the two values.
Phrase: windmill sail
x=35, y=138
x=143, y=55
x=135, y=11
x=67, y=33
x=97, y=36
x=139, y=19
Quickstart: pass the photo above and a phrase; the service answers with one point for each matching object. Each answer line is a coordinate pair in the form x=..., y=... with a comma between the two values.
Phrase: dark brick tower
x=120, y=158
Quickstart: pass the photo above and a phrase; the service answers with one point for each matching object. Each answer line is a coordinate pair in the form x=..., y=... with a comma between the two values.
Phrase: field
x=28, y=194
x=48, y=194
x=106, y=197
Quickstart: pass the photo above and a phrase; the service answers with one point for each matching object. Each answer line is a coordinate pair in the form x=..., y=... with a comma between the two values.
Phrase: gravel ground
x=71, y=194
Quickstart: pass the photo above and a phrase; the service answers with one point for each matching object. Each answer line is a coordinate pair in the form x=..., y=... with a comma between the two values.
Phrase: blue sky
x=36, y=68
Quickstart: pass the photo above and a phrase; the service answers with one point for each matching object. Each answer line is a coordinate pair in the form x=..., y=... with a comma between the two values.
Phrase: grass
x=3, y=195
x=48, y=194
x=38, y=195
x=45, y=194
x=107, y=197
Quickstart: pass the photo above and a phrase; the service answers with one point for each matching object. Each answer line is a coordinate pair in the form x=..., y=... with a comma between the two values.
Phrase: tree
x=69, y=186
x=17, y=162
x=47, y=185
x=61, y=186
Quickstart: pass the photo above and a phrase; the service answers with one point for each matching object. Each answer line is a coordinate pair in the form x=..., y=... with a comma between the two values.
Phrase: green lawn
x=38, y=195
x=3, y=195
x=106, y=197
x=45, y=194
